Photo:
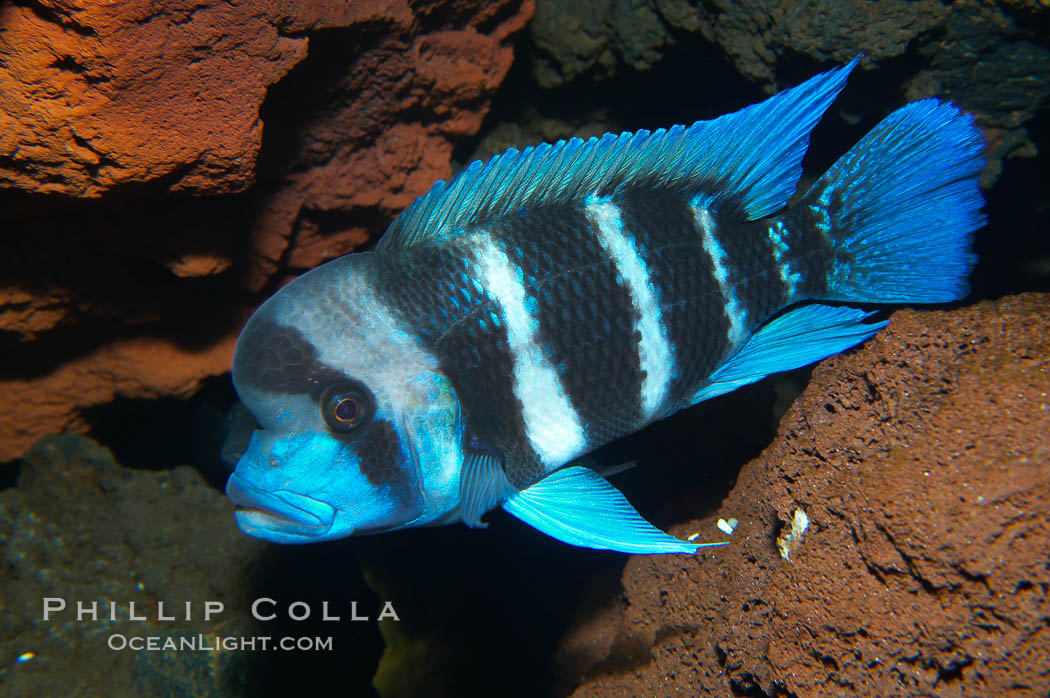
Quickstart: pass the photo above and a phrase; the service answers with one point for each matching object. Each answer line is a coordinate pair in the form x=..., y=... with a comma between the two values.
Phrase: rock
x=168, y=164
x=138, y=367
x=102, y=95
x=534, y=129
x=80, y=527
x=921, y=461
x=990, y=59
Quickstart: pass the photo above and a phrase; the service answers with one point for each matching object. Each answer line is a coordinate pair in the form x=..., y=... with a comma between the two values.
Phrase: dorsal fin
x=753, y=156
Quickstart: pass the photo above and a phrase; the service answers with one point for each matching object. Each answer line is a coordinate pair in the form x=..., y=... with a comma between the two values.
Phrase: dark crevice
x=102, y=159
x=50, y=15
x=437, y=14
x=496, y=18
x=953, y=672
x=746, y=685
x=198, y=323
x=70, y=64
x=634, y=100
x=1012, y=250
x=827, y=661
x=115, y=258
x=156, y=434
x=9, y=472
x=282, y=269
x=312, y=93
x=320, y=573
x=333, y=222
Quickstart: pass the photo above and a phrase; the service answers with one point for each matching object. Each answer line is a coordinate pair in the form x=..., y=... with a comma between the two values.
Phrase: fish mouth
x=288, y=514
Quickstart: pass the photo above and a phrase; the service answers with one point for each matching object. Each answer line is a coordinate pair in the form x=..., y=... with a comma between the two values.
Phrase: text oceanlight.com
x=205, y=643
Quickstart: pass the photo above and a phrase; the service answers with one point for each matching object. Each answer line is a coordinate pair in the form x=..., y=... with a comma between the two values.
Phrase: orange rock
x=166, y=159
x=95, y=95
x=27, y=313
x=135, y=368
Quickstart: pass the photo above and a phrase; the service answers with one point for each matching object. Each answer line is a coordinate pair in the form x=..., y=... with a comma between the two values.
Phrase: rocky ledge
x=892, y=540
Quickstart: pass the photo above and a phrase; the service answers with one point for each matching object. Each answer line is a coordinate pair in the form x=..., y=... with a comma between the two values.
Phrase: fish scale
x=692, y=302
x=753, y=270
x=584, y=314
x=431, y=288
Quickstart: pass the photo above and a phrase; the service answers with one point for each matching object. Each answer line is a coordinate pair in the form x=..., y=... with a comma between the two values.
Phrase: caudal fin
x=900, y=208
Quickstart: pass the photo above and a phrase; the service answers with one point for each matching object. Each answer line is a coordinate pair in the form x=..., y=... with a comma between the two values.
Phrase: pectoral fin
x=577, y=506
x=482, y=486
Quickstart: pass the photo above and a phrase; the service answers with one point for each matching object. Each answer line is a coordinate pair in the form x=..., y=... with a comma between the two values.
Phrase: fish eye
x=344, y=407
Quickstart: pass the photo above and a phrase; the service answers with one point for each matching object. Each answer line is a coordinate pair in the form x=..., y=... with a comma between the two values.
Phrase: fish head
x=360, y=432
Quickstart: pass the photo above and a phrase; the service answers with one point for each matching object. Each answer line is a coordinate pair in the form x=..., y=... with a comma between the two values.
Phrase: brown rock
x=922, y=461
x=142, y=367
x=95, y=95
x=131, y=141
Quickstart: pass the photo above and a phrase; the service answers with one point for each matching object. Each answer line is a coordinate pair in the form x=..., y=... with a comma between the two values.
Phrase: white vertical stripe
x=551, y=424
x=654, y=350
x=777, y=235
x=736, y=313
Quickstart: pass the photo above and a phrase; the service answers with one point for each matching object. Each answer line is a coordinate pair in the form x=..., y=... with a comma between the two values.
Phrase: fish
x=552, y=299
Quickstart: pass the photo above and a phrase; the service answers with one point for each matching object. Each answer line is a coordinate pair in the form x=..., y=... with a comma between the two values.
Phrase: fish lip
x=289, y=513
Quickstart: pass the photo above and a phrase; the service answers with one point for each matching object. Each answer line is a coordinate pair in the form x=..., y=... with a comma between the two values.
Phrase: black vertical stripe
x=809, y=252
x=752, y=273
x=280, y=359
x=585, y=313
x=692, y=306
x=431, y=289
x=384, y=460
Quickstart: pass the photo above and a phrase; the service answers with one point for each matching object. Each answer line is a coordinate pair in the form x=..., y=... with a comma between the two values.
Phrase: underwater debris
x=790, y=539
x=727, y=526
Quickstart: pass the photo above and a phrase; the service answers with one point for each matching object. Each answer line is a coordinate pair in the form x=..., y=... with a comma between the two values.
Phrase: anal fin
x=799, y=337
x=577, y=506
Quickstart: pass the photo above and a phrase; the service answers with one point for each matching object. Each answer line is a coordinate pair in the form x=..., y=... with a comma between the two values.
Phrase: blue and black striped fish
x=553, y=299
